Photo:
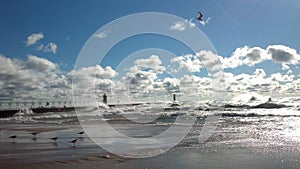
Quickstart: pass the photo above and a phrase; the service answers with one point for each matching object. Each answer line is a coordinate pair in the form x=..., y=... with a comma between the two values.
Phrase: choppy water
x=263, y=131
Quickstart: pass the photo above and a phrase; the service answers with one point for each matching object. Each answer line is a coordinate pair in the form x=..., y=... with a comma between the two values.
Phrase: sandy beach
x=225, y=149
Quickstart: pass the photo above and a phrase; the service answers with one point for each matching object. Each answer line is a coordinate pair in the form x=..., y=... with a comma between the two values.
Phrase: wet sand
x=180, y=158
x=42, y=152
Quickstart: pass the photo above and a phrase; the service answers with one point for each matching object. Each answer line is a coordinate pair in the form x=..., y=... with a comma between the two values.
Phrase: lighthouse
x=104, y=99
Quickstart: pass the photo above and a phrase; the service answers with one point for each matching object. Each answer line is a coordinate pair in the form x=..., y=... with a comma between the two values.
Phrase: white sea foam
x=199, y=109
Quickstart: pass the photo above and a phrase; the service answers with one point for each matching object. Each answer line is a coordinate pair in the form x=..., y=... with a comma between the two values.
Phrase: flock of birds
x=13, y=138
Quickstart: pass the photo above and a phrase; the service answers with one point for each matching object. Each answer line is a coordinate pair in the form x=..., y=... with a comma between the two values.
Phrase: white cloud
x=91, y=81
x=255, y=55
x=193, y=85
x=283, y=54
x=182, y=25
x=102, y=34
x=139, y=82
x=289, y=72
x=278, y=77
x=188, y=63
x=285, y=67
x=245, y=56
x=152, y=62
x=34, y=38
x=171, y=85
x=259, y=82
x=50, y=47
x=205, y=22
x=210, y=60
x=202, y=59
x=40, y=64
x=142, y=78
x=36, y=78
x=40, y=78
x=95, y=71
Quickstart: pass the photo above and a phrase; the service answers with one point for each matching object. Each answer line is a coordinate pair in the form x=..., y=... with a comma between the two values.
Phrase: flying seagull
x=200, y=16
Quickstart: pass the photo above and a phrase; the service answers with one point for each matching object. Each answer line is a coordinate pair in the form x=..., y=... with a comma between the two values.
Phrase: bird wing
x=200, y=14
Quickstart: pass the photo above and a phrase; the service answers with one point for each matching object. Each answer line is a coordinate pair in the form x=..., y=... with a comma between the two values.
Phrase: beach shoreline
x=217, y=152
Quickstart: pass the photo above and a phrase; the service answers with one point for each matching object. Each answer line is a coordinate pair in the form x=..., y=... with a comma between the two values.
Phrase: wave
x=261, y=113
x=284, y=107
x=267, y=105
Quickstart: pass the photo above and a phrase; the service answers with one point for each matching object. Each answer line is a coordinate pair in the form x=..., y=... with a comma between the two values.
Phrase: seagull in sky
x=200, y=16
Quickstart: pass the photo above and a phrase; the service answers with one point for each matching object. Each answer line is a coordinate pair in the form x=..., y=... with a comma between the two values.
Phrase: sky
x=256, y=43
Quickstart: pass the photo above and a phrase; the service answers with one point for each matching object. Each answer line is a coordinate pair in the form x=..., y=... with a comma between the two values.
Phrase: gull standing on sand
x=81, y=133
x=73, y=142
x=34, y=135
x=54, y=139
x=13, y=137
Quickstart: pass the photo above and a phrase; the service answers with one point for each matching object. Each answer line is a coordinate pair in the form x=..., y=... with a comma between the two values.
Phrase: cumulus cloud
x=34, y=38
x=30, y=79
x=245, y=56
x=40, y=64
x=285, y=67
x=153, y=62
x=182, y=25
x=289, y=72
x=171, y=85
x=258, y=82
x=139, y=81
x=210, y=60
x=142, y=78
x=283, y=54
x=194, y=85
x=94, y=71
x=202, y=59
x=38, y=78
x=91, y=81
x=252, y=56
x=278, y=77
x=188, y=63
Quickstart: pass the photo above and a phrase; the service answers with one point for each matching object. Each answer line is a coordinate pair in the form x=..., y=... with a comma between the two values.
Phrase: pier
x=10, y=108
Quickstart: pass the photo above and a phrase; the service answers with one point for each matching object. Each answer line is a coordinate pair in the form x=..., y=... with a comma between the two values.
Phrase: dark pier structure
x=8, y=113
x=10, y=108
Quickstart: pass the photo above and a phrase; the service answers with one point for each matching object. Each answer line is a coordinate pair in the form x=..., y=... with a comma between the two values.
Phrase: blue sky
x=233, y=24
x=66, y=25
